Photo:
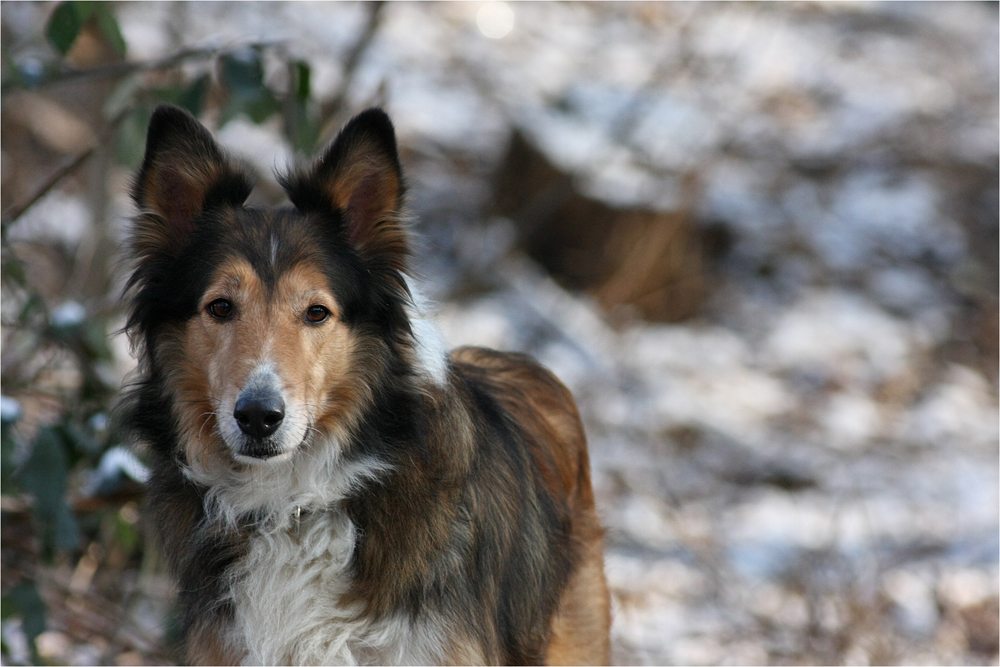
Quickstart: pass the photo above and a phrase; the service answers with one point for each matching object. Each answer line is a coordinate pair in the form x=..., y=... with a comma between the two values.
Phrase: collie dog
x=328, y=483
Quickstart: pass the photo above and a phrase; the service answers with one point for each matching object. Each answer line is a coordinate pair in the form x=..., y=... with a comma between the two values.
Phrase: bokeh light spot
x=495, y=19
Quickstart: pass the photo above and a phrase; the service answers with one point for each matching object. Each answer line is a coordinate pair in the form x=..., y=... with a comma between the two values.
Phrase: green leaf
x=81, y=443
x=66, y=23
x=263, y=107
x=257, y=108
x=65, y=532
x=130, y=139
x=193, y=98
x=11, y=269
x=13, y=74
x=44, y=475
x=243, y=72
x=300, y=127
x=8, y=451
x=126, y=535
x=64, y=26
x=108, y=24
x=95, y=336
x=190, y=96
x=33, y=307
x=303, y=76
x=23, y=600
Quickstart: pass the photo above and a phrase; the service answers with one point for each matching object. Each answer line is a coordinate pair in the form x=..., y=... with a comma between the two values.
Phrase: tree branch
x=167, y=62
x=72, y=163
x=329, y=111
x=67, y=167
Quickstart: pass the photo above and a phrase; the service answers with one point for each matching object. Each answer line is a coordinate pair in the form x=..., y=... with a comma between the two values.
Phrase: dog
x=329, y=484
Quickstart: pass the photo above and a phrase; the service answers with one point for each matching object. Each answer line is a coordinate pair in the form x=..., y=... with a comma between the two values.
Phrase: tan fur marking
x=174, y=191
x=346, y=181
x=546, y=411
x=312, y=361
x=580, y=629
x=176, y=177
x=368, y=190
x=315, y=360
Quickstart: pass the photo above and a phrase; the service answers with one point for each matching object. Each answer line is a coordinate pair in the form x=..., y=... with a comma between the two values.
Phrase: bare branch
x=67, y=167
x=72, y=163
x=330, y=110
x=167, y=62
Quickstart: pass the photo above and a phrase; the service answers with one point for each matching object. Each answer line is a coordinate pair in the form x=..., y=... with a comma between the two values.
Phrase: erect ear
x=183, y=173
x=359, y=178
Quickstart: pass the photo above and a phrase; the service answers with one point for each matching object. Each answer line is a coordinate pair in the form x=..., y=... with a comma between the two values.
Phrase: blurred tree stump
x=633, y=259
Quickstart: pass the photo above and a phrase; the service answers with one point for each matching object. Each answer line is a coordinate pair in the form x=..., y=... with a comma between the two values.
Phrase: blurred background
x=757, y=241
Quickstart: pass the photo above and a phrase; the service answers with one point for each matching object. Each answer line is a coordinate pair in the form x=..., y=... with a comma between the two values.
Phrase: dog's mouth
x=268, y=450
x=261, y=450
x=248, y=448
x=264, y=424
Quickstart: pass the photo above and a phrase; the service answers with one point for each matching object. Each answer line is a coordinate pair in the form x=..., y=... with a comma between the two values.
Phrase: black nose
x=259, y=413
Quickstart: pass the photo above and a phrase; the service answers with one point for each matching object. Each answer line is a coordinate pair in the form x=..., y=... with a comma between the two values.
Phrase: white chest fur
x=287, y=595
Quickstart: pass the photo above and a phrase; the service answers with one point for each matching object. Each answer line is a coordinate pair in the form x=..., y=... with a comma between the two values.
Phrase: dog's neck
x=279, y=494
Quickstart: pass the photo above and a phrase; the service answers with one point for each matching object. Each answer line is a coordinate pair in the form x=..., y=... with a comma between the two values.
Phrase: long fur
x=410, y=506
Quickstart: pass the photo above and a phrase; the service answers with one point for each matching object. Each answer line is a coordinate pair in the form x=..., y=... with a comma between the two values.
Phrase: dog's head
x=267, y=325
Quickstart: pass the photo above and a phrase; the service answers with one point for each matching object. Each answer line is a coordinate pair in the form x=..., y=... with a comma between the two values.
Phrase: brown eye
x=220, y=309
x=316, y=314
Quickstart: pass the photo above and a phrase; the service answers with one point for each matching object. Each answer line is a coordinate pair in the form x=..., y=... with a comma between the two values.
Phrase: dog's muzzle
x=259, y=412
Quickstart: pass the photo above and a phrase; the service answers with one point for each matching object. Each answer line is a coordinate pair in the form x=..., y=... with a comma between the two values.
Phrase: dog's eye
x=220, y=309
x=316, y=314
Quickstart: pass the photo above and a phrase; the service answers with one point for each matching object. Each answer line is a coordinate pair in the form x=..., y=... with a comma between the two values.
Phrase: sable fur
x=410, y=507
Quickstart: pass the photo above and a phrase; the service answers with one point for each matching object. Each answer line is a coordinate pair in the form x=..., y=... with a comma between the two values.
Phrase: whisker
x=199, y=401
x=207, y=416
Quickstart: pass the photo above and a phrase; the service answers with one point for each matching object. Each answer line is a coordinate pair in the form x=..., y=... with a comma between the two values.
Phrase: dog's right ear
x=359, y=178
x=183, y=173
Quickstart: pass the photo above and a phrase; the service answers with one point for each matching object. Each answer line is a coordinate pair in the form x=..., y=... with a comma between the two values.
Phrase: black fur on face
x=190, y=196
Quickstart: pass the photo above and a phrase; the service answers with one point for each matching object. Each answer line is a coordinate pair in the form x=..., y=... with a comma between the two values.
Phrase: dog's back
x=547, y=414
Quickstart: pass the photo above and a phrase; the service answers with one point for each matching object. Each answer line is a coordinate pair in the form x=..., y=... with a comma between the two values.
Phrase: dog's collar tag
x=298, y=519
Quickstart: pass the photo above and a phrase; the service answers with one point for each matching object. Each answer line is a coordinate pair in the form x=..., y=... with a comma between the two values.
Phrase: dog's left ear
x=360, y=179
x=183, y=173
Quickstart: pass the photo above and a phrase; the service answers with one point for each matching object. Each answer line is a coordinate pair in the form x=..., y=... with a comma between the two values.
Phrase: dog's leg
x=581, y=625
